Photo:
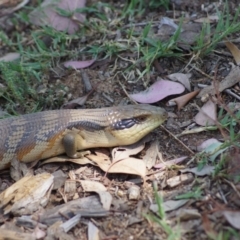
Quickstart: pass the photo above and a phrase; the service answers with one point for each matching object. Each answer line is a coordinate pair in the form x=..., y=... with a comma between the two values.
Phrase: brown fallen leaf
x=100, y=189
x=9, y=6
x=99, y=157
x=47, y=15
x=78, y=64
x=208, y=19
x=158, y=91
x=64, y=158
x=182, y=78
x=78, y=101
x=207, y=115
x=233, y=164
x=186, y=214
x=233, y=217
x=234, y=51
x=206, y=170
x=170, y=163
x=229, y=81
x=151, y=155
x=123, y=152
x=183, y=100
x=179, y=180
x=169, y=205
x=128, y=166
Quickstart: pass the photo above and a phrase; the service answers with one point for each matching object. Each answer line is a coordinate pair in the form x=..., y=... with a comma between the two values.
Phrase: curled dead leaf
x=183, y=100
x=182, y=78
x=234, y=51
x=207, y=114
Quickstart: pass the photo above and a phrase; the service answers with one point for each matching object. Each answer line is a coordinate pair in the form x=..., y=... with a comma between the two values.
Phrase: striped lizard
x=47, y=134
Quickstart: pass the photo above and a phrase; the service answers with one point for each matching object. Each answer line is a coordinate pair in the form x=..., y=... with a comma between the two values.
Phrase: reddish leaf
x=207, y=114
x=183, y=100
x=47, y=15
x=158, y=91
x=79, y=64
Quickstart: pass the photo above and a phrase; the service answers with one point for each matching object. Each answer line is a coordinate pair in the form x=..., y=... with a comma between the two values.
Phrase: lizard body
x=47, y=134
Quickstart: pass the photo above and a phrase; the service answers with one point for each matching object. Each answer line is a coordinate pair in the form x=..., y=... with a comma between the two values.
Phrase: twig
x=203, y=73
x=126, y=92
x=228, y=91
x=233, y=187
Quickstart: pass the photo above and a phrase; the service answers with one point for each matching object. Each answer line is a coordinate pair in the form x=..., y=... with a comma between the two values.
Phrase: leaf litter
x=103, y=159
x=158, y=91
x=48, y=15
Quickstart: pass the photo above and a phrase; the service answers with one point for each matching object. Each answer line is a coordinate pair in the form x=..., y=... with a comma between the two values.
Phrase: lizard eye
x=128, y=122
x=140, y=118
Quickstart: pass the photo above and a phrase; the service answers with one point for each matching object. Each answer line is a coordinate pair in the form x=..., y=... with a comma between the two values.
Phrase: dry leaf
x=78, y=101
x=170, y=163
x=78, y=64
x=182, y=78
x=233, y=217
x=233, y=164
x=63, y=158
x=229, y=81
x=92, y=186
x=213, y=148
x=208, y=19
x=234, y=51
x=207, y=114
x=123, y=152
x=206, y=144
x=158, y=91
x=9, y=6
x=169, y=205
x=188, y=214
x=206, y=170
x=150, y=157
x=47, y=15
x=128, y=166
x=10, y=57
x=100, y=158
x=167, y=21
x=179, y=180
x=183, y=100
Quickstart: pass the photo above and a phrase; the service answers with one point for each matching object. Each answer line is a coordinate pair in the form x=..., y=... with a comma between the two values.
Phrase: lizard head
x=131, y=123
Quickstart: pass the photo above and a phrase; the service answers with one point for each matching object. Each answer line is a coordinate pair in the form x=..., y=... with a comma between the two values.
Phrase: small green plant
x=156, y=3
x=196, y=194
x=210, y=36
x=161, y=219
x=134, y=8
x=229, y=122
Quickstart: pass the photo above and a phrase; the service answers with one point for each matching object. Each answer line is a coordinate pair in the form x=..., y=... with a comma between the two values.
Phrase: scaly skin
x=47, y=134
